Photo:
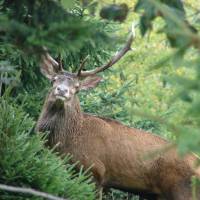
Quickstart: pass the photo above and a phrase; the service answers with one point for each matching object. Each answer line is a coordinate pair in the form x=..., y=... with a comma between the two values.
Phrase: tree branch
x=29, y=191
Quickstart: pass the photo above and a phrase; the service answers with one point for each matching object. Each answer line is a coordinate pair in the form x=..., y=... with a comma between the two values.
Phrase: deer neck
x=63, y=122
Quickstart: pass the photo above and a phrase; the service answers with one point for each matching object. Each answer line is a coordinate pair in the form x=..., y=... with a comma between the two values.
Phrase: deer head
x=67, y=84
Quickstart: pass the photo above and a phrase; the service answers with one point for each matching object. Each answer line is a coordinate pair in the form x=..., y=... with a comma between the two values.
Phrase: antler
x=60, y=63
x=82, y=65
x=113, y=60
x=48, y=63
x=48, y=60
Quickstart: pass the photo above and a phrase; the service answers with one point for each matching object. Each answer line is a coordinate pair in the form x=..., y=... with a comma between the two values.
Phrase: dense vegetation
x=156, y=87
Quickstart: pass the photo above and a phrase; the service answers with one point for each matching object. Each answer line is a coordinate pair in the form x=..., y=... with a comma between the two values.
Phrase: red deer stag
x=115, y=152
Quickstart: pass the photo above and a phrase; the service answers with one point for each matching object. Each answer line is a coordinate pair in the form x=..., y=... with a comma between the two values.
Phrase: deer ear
x=90, y=82
x=49, y=67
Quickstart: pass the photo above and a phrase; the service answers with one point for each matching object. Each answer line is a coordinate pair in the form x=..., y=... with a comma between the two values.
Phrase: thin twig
x=29, y=191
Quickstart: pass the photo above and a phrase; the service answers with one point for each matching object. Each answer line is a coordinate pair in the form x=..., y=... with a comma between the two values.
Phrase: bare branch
x=29, y=191
x=114, y=59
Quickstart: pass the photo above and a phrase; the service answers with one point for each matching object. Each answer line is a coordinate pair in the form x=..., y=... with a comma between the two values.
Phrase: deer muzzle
x=62, y=92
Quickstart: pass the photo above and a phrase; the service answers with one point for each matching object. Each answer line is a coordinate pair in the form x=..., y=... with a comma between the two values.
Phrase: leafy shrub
x=26, y=162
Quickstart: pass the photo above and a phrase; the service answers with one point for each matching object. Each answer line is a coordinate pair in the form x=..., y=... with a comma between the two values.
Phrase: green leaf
x=68, y=4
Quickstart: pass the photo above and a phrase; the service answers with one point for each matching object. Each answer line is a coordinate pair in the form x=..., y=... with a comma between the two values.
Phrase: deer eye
x=54, y=79
x=77, y=85
x=73, y=91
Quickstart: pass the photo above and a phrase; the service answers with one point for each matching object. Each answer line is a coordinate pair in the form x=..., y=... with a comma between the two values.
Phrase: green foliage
x=182, y=35
x=25, y=162
x=27, y=26
x=177, y=29
x=155, y=88
x=119, y=195
x=7, y=73
x=68, y=33
x=105, y=102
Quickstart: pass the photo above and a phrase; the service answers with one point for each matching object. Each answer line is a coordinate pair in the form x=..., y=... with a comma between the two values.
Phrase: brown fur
x=119, y=155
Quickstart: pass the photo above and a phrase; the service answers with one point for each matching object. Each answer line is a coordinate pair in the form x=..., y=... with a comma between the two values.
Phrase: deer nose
x=62, y=90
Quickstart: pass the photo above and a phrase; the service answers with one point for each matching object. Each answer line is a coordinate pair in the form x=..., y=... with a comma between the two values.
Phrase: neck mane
x=61, y=121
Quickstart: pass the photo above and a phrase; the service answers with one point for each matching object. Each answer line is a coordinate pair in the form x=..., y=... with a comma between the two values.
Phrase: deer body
x=118, y=154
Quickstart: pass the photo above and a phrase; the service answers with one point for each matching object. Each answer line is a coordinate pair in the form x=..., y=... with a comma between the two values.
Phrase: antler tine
x=82, y=65
x=47, y=56
x=48, y=60
x=114, y=59
x=60, y=63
